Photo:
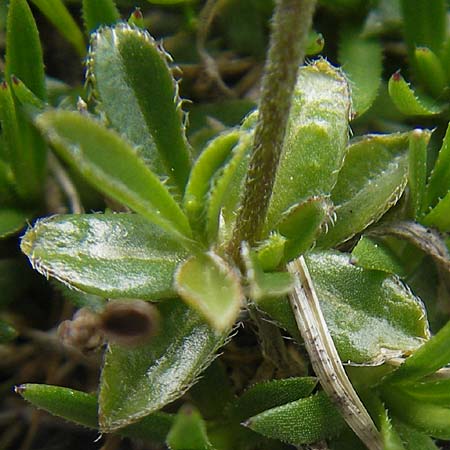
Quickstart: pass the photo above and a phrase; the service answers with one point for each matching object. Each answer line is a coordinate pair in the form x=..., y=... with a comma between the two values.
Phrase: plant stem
x=290, y=26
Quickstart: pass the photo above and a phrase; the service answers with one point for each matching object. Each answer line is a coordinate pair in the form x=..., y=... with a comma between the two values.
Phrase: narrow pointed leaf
x=417, y=170
x=407, y=101
x=430, y=71
x=111, y=165
x=435, y=391
x=439, y=183
x=305, y=421
x=58, y=14
x=207, y=284
x=361, y=60
x=270, y=394
x=140, y=381
x=426, y=360
x=391, y=439
x=316, y=138
x=210, y=160
x=188, y=431
x=81, y=408
x=371, y=316
x=111, y=255
x=439, y=216
x=23, y=48
x=302, y=224
x=12, y=221
x=139, y=95
x=372, y=179
x=99, y=12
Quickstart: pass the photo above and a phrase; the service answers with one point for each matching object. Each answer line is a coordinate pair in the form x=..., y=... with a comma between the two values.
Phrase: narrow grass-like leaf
x=407, y=101
x=304, y=421
x=372, y=179
x=391, y=439
x=316, y=138
x=23, y=48
x=302, y=223
x=439, y=183
x=139, y=95
x=426, y=360
x=111, y=165
x=431, y=419
x=111, y=255
x=373, y=255
x=210, y=160
x=27, y=99
x=58, y=14
x=207, y=284
x=436, y=391
x=270, y=394
x=188, y=431
x=370, y=316
x=439, y=216
x=360, y=58
x=140, y=381
x=99, y=12
x=12, y=221
x=430, y=71
x=81, y=408
x=417, y=170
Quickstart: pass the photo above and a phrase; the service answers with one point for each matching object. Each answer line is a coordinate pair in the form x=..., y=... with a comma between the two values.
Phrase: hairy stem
x=290, y=27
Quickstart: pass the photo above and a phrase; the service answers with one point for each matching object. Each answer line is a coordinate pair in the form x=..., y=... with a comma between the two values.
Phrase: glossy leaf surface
x=371, y=180
x=112, y=166
x=439, y=216
x=316, y=138
x=304, y=421
x=140, y=97
x=137, y=382
x=207, y=284
x=370, y=315
x=111, y=255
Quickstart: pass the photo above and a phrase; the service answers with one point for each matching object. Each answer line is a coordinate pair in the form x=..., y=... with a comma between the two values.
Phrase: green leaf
x=270, y=252
x=424, y=23
x=370, y=315
x=81, y=408
x=139, y=95
x=111, y=165
x=426, y=360
x=436, y=391
x=7, y=332
x=304, y=421
x=371, y=180
x=316, y=139
x=430, y=71
x=27, y=99
x=81, y=299
x=12, y=221
x=270, y=394
x=188, y=431
x=207, y=284
x=111, y=255
x=439, y=216
x=58, y=14
x=433, y=420
x=417, y=170
x=140, y=381
x=407, y=101
x=99, y=12
x=23, y=48
x=302, y=224
x=391, y=439
x=373, y=255
x=439, y=183
x=413, y=439
x=207, y=164
x=361, y=60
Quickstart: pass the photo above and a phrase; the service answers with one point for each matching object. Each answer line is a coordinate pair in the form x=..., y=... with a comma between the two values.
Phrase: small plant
x=281, y=223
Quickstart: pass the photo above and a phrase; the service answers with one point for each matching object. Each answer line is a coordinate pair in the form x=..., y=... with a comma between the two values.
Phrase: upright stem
x=290, y=27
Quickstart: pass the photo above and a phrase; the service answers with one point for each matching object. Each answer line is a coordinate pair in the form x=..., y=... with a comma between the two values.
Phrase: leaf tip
x=20, y=389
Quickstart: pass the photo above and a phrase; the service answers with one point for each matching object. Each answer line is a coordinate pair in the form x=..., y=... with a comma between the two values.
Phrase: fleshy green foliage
x=112, y=255
x=99, y=12
x=369, y=314
x=136, y=382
